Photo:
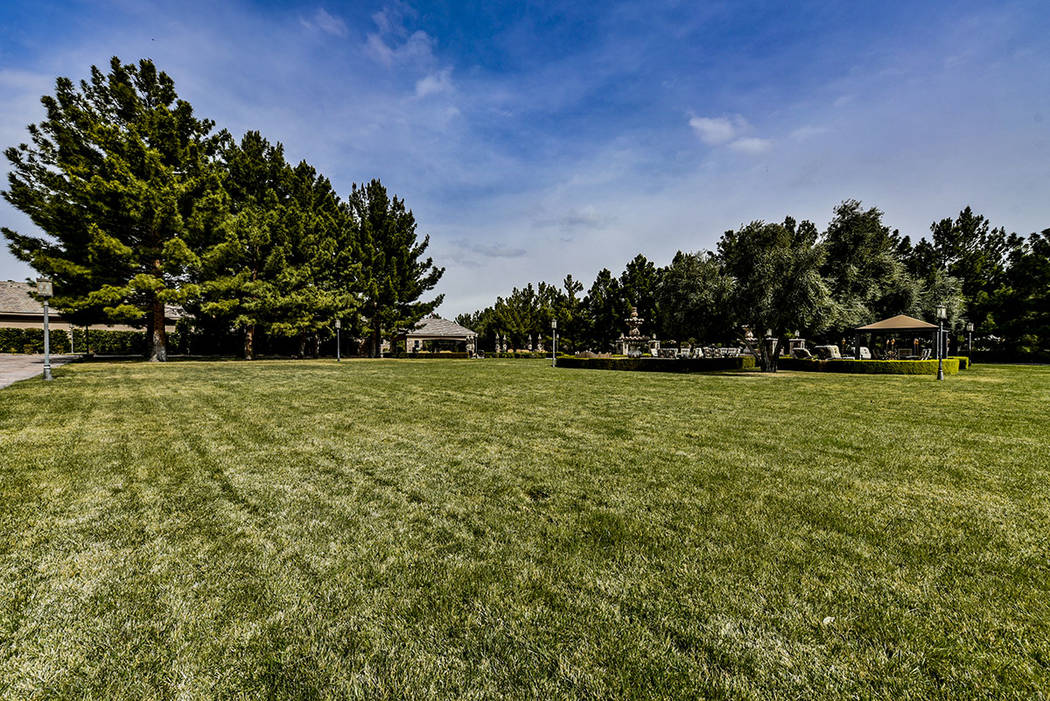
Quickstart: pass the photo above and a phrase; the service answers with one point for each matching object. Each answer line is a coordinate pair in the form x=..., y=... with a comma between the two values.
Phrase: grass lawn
x=488, y=528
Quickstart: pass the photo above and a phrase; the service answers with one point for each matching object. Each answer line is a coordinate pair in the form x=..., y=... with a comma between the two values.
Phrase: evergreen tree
x=120, y=176
x=394, y=275
x=638, y=285
x=693, y=295
x=606, y=311
x=776, y=283
x=863, y=269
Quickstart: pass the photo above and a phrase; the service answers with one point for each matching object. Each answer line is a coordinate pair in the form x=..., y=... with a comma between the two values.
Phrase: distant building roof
x=440, y=328
x=901, y=322
x=16, y=300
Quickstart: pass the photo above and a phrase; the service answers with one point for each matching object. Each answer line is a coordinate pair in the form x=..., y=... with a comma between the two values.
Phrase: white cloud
x=807, y=132
x=434, y=83
x=751, y=144
x=325, y=22
x=418, y=47
x=713, y=130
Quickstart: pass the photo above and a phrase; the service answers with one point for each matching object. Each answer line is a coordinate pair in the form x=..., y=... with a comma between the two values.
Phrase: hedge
x=103, y=341
x=964, y=362
x=32, y=341
x=660, y=364
x=871, y=367
x=1003, y=356
x=434, y=356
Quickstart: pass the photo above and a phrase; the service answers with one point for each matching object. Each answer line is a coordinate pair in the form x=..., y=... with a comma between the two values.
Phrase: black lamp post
x=942, y=314
x=969, y=338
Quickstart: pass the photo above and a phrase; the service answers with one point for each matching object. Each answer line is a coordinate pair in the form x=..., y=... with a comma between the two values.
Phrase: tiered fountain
x=634, y=344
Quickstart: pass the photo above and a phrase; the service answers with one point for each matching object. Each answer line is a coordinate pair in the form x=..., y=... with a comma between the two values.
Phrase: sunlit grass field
x=501, y=528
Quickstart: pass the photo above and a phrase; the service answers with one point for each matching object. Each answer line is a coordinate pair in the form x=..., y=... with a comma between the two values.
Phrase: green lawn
x=489, y=528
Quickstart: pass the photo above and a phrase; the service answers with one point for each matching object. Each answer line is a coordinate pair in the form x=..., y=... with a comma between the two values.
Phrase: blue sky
x=536, y=141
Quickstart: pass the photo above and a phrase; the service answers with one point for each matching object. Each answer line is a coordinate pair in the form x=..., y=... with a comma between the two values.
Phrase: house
x=19, y=309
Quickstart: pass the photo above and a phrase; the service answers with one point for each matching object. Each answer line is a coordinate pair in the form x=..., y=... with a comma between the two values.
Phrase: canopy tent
x=902, y=323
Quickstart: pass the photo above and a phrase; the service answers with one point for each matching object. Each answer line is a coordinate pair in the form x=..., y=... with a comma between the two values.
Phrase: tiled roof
x=440, y=327
x=15, y=298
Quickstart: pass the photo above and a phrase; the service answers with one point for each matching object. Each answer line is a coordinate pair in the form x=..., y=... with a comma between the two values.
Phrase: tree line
x=789, y=278
x=144, y=205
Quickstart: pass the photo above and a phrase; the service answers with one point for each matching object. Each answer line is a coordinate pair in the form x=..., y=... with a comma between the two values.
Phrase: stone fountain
x=635, y=344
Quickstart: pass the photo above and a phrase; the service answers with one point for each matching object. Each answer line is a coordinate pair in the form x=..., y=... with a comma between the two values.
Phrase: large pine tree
x=394, y=275
x=119, y=176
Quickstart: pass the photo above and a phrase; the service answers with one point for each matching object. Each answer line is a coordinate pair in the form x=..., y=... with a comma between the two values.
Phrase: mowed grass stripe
x=392, y=528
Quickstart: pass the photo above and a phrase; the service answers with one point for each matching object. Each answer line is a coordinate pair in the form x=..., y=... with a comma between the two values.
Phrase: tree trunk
x=377, y=342
x=158, y=342
x=315, y=346
x=302, y=345
x=249, y=342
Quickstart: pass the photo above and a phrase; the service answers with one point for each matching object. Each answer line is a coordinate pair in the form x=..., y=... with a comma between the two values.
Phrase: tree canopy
x=143, y=205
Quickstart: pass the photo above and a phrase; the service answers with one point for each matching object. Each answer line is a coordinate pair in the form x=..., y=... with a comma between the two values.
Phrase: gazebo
x=438, y=329
x=902, y=324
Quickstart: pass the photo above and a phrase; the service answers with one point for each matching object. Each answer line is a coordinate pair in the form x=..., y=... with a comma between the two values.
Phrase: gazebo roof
x=901, y=322
x=440, y=328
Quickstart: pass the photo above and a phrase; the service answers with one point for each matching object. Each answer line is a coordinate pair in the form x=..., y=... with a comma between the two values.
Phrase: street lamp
x=554, y=343
x=969, y=339
x=44, y=290
x=338, y=348
x=942, y=314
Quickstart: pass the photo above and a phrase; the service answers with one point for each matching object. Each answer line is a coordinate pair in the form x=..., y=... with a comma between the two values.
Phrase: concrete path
x=15, y=367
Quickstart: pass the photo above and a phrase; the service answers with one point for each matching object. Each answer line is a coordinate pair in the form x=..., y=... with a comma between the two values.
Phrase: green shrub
x=870, y=367
x=103, y=341
x=438, y=356
x=964, y=362
x=660, y=364
x=32, y=341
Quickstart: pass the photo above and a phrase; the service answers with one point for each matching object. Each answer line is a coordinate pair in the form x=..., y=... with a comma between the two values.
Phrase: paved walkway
x=14, y=367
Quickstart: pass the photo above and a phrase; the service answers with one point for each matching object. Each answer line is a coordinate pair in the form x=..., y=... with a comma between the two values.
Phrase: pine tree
x=393, y=276
x=120, y=176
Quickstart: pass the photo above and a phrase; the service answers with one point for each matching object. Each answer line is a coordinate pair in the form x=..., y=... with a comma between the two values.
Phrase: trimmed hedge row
x=964, y=362
x=32, y=341
x=1000, y=356
x=433, y=356
x=523, y=354
x=660, y=364
x=103, y=342
x=871, y=367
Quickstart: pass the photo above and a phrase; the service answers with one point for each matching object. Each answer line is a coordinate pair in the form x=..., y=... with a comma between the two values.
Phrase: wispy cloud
x=321, y=20
x=719, y=131
x=751, y=144
x=588, y=217
x=807, y=132
x=714, y=130
x=491, y=250
x=433, y=83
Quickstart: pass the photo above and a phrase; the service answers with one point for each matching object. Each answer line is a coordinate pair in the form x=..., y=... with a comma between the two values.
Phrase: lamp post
x=338, y=345
x=942, y=314
x=43, y=288
x=554, y=343
x=969, y=338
